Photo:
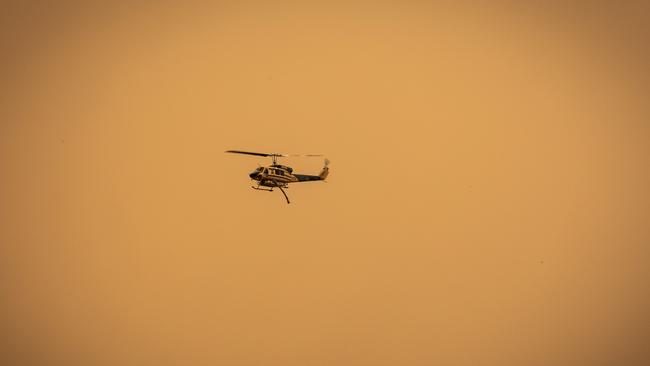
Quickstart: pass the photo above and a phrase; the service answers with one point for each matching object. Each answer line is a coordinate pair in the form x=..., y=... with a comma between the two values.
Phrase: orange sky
x=487, y=204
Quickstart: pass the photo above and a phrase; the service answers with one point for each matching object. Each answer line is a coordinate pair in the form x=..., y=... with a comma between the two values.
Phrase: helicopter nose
x=253, y=175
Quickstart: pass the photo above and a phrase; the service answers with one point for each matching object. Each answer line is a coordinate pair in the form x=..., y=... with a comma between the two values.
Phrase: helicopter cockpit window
x=266, y=171
x=259, y=168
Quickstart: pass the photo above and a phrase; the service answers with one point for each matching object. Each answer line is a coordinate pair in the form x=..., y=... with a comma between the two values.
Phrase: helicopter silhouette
x=279, y=176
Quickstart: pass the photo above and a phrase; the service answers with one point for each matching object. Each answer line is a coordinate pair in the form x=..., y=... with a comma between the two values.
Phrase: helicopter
x=279, y=176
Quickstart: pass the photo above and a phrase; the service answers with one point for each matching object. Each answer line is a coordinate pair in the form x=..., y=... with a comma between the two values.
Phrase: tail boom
x=321, y=176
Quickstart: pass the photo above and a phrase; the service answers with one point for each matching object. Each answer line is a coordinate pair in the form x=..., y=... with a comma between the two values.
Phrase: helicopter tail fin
x=326, y=170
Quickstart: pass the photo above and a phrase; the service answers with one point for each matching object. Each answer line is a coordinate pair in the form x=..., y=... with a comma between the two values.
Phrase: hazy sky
x=487, y=204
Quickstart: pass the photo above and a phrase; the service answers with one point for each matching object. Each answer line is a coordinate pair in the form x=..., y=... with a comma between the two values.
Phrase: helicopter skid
x=262, y=189
x=271, y=190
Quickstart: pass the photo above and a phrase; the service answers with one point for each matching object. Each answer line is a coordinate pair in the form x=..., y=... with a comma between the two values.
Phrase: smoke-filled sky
x=488, y=201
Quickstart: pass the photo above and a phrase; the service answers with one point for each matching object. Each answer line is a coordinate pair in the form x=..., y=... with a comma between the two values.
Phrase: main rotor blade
x=252, y=153
x=269, y=154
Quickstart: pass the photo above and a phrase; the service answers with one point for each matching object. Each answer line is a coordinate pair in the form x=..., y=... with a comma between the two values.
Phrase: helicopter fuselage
x=280, y=176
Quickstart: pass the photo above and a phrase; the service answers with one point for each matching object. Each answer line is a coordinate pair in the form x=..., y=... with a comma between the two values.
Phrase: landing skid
x=271, y=190
x=262, y=189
